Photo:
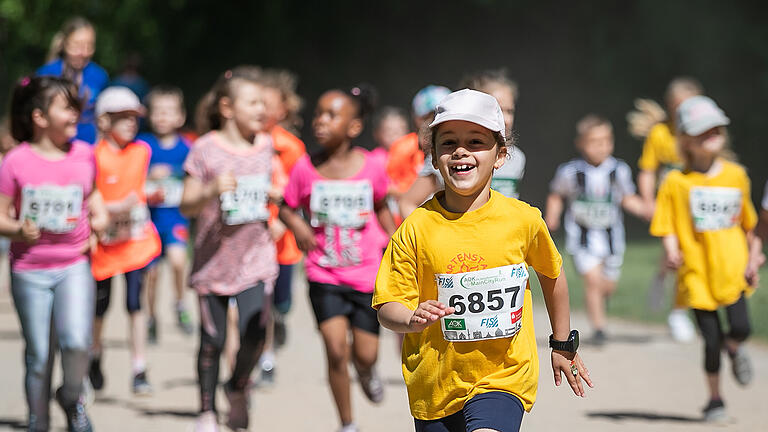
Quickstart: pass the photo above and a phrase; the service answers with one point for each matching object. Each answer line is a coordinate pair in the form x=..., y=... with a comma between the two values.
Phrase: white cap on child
x=472, y=106
x=699, y=114
x=118, y=99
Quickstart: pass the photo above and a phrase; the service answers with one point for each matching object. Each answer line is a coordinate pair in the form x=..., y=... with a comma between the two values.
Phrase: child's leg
x=73, y=319
x=365, y=344
x=177, y=258
x=251, y=308
x=334, y=332
x=151, y=281
x=232, y=342
x=594, y=295
x=103, y=295
x=738, y=320
x=213, y=333
x=138, y=335
x=709, y=325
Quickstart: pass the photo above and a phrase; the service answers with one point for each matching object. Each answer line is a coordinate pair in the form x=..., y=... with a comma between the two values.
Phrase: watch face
x=575, y=339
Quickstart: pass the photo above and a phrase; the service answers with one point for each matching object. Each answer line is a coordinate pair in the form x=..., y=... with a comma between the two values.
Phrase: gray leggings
x=55, y=306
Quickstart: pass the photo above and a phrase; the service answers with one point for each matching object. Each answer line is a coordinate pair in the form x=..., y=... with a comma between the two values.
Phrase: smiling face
x=466, y=155
x=703, y=148
x=79, y=47
x=123, y=127
x=60, y=122
x=335, y=120
x=245, y=107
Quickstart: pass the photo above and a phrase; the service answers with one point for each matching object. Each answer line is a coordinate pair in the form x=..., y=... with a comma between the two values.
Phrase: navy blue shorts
x=493, y=410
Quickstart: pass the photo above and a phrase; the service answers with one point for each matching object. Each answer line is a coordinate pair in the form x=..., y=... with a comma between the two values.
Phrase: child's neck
x=456, y=203
x=43, y=145
x=235, y=137
x=113, y=142
x=340, y=152
x=168, y=140
x=704, y=164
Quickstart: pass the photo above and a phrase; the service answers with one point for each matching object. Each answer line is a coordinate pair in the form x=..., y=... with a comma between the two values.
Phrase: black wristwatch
x=571, y=345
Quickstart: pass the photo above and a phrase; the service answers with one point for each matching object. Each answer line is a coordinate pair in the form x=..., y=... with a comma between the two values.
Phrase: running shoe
x=680, y=326
x=184, y=321
x=77, y=419
x=372, y=386
x=741, y=366
x=349, y=428
x=714, y=412
x=206, y=422
x=267, y=378
x=95, y=375
x=238, y=408
x=599, y=338
x=141, y=386
x=152, y=331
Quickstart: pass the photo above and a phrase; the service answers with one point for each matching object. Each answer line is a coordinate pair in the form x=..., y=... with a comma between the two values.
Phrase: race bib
x=506, y=186
x=125, y=226
x=248, y=202
x=594, y=214
x=53, y=208
x=715, y=208
x=171, y=189
x=342, y=203
x=488, y=303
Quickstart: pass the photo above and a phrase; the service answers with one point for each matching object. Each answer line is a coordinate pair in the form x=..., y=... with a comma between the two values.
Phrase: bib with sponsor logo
x=506, y=186
x=342, y=203
x=171, y=188
x=594, y=214
x=488, y=303
x=248, y=202
x=715, y=208
x=53, y=208
x=125, y=226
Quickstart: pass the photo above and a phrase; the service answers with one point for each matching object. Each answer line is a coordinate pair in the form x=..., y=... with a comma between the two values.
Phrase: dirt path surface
x=644, y=382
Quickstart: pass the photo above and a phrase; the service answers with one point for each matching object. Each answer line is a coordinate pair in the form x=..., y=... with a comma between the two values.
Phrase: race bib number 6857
x=488, y=303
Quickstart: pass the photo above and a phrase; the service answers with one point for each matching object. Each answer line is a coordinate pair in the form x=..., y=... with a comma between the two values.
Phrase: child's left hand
x=563, y=361
x=751, y=274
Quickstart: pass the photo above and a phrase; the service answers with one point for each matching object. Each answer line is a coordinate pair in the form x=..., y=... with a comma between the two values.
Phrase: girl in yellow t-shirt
x=460, y=260
x=706, y=219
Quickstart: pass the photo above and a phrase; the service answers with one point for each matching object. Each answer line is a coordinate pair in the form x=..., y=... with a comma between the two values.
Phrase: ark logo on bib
x=455, y=324
x=466, y=262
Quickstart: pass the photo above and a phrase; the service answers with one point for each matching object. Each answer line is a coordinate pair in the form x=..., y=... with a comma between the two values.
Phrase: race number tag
x=125, y=226
x=248, y=202
x=594, y=214
x=53, y=208
x=488, y=303
x=715, y=208
x=342, y=203
x=505, y=186
x=171, y=189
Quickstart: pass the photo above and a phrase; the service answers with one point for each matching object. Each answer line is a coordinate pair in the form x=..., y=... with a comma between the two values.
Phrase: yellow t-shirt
x=709, y=216
x=442, y=376
x=660, y=150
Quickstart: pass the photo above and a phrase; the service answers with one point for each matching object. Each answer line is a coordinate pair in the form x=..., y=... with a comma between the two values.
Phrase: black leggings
x=213, y=333
x=712, y=332
x=133, y=282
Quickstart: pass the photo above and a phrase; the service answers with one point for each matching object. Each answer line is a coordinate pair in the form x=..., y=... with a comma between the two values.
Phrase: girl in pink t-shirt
x=47, y=181
x=232, y=172
x=343, y=191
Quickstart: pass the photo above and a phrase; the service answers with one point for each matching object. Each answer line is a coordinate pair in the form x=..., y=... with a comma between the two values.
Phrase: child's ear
x=355, y=128
x=434, y=157
x=38, y=118
x=103, y=122
x=501, y=157
x=225, y=107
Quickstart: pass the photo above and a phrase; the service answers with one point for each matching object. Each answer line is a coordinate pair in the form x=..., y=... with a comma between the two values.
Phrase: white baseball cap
x=698, y=114
x=118, y=99
x=472, y=106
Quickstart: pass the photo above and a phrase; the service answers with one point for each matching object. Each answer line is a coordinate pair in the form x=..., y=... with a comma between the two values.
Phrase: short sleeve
x=561, y=184
x=649, y=160
x=8, y=184
x=624, y=180
x=748, y=212
x=542, y=253
x=662, y=223
x=292, y=194
x=195, y=165
x=397, y=280
x=764, y=204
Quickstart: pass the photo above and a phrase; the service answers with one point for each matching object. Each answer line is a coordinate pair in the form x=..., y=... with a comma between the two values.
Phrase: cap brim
x=141, y=112
x=699, y=128
x=465, y=117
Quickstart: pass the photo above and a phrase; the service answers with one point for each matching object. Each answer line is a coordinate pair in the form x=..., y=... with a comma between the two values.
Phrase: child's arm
x=384, y=215
x=398, y=318
x=25, y=231
x=553, y=211
x=637, y=206
x=419, y=191
x=99, y=216
x=674, y=257
x=556, y=298
x=646, y=186
x=756, y=258
x=197, y=194
x=305, y=236
x=762, y=226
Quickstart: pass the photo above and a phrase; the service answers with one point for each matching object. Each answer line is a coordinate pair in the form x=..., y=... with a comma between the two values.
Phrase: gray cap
x=699, y=114
x=472, y=106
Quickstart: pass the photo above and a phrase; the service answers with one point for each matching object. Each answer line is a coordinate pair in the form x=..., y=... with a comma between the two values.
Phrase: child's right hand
x=305, y=238
x=225, y=183
x=674, y=259
x=29, y=232
x=159, y=172
x=427, y=313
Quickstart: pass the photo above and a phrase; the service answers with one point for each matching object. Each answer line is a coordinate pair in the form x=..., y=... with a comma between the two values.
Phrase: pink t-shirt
x=53, y=193
x=349, y=244
x=230, y=258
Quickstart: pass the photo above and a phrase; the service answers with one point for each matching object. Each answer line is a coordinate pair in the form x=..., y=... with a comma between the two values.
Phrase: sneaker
x=349, y=428
x=680, y=326
x=95, y=375
x=267, y=378
x=141, y=386
x=741, y=366
x=184, y=321
x=599, y=338
x=152, y=331
x=206, y=422
x=281, y=330
x=238, y=408
x=77, y=419
x=372, y=387
x=714, y=412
